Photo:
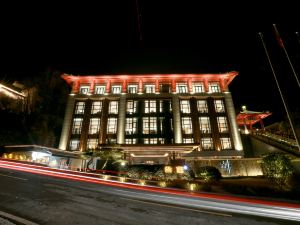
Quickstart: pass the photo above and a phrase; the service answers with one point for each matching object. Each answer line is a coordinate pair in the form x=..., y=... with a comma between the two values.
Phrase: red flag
x=279, y=40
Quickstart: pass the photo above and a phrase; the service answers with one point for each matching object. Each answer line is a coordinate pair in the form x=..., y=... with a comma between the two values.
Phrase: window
x=149, y=125
x=131, y=106
x=213, y=87
x=222, y=124
x=161, y=141
x=130, y=141
x=181, y=88
x=150, y=106
x=198, y=88
x=132, y=88
x=94, y=126
x=207, y=143
x=113, y=107
x=185, y=106
x=84, y=89
x=226, y=143
x=149, y=88
x=79, y=109
x=77, y=125
x=202, y=106
x=164, y=104
x=112, y=125
x=92, y=143
x=131, y=125
x=150, y=141
x=100, y=90
x=186, y=123
x=74, y=144
x=116, y=89
x=96, y=107
x=188, y=140
x=219, y=106
x=111, y=141
x=204, y=124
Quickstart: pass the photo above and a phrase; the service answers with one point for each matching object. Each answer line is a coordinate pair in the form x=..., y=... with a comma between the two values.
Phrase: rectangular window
x=77, y=125
x=204, y=124
x=116, y=89
x=149, y=88
x=185, y=106
x=92, y=143
x=132, y=89
x=113, y=107
x=164, y=104
x=131, y=106
x=186, y=123
x=161, y=141
x=202, y=106
x=188, y=140
x=207, y=143
x=181, y=88
x=213, y=87
x=150, y=106
x=74, y=145
x=150, y=141
x=222, y=124
x=96, y=107
x=84, y=89
x=219, y=106
x=111, y=141
x=130, y=141
x=79, y=108
x=198, y=88
x=100, y=89
x=226, y=143
x=131, y=126
x=112, y=125
x=94, y=126
x=149, y=125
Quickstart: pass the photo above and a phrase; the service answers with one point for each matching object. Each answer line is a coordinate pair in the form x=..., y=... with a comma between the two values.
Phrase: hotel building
x=153, y=118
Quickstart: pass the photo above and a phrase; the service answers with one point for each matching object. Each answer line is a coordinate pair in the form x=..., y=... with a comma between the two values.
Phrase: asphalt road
x=48, y=200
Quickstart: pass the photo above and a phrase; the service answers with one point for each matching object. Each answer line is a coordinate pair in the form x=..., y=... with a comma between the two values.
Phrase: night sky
x=177, y=37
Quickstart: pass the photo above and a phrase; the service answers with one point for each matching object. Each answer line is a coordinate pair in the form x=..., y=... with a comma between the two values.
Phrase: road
x=49, y=200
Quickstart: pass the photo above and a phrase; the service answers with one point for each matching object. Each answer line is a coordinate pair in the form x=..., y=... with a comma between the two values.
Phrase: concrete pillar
x=121, y=120
x=232, y=122
x=64, y=137
x=176, y=120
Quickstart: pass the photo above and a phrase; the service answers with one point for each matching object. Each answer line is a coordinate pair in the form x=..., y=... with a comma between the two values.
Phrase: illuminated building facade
x=154, y=117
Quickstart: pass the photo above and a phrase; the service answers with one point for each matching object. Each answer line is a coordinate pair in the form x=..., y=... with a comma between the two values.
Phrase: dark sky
x=178, y=37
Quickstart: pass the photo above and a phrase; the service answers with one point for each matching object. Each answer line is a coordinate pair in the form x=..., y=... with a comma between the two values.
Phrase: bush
x=208, y=173
x=145, y=172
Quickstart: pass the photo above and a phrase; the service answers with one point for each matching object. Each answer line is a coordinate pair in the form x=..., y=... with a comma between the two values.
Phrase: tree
x=278, y=169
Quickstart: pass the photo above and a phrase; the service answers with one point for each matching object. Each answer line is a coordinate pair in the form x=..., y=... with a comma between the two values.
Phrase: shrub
x=208, y=173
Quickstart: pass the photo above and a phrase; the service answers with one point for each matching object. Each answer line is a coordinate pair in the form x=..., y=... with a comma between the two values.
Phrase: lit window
x=131, y=106
x=219, y=106
x=164, y=105
x=94, y=126
x=186, y=123
x=213, y=87
x=226, y=143
x=188, y=140
x=181, y=88
x=79, y=109
x=112, y=125
x=149, y=88
x=92, y=143
x=150, y=106
x=84, y=89
x=222, y=124
x=77, y=125
x=150, y=141
x=130, y=141
x=202, y=106
x=207, y=143
x=100, y=90
x=96, y=107
x=113, y=107
x=74, y=144
x=198, y=88
x=131, y=125
x=149, y=125
x=161, y=141
x=204, y=124
x=185, y=106
x=132, y=89
x=116, y=89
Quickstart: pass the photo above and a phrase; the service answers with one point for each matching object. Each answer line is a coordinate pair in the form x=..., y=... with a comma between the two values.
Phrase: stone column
x=121, y=120
x=176, y=120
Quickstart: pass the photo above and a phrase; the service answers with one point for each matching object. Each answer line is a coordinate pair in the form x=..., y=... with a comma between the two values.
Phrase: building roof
x=251, y=117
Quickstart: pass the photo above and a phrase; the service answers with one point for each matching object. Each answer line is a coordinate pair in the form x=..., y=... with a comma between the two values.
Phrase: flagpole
x=297, y=34
x=287, y=55
x=281, y=95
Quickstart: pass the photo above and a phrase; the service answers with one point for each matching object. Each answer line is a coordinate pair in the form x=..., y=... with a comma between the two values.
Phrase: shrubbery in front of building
x=208, y=173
